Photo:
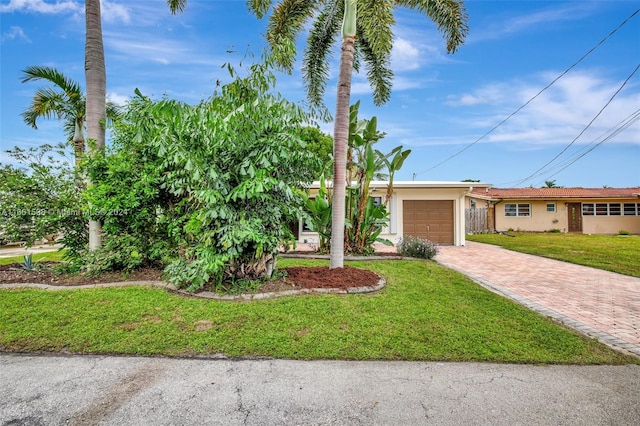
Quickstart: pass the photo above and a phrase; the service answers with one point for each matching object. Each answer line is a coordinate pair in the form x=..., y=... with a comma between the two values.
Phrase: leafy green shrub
x=207, y=189
x=421, y=248
x=554, y=231
x=623, y=232
x=41, y=197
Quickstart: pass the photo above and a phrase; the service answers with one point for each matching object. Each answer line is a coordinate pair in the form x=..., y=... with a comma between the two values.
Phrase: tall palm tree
x=366, y=35
x=372, y=28
x=96, y=77
x=64, y=101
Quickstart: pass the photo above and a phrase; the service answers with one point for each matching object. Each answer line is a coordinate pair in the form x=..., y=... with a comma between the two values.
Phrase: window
x=377, y=201
x=601, y=209
x=610, y=209
x=517, y=209
x=631, y=209
x=588, y=209
x=472, y=204
x=614, y=209
x=551, y=207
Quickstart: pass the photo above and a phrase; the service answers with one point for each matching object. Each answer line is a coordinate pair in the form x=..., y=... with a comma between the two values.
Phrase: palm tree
x=96, y=77
x=372, y=28
x=65, y=101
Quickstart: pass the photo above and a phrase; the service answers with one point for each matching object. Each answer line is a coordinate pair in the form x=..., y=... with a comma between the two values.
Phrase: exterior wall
x=541, y=220
x=610, y=224
x=394, y=231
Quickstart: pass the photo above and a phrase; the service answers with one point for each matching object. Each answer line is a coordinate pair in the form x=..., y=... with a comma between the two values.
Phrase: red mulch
x=296, y=277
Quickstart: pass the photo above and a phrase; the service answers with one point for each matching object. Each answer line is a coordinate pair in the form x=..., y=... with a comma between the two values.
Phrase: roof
x=419, y=184
x=547, y=193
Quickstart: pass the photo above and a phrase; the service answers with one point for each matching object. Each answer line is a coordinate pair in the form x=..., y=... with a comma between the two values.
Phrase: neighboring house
x=432, y=210
x=579, y=210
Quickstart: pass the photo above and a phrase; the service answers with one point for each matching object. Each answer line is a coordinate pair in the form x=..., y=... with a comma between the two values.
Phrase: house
x=431, y=210
x=579, y=210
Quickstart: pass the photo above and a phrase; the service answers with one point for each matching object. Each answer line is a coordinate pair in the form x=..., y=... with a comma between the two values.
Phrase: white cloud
x=15, y=32
x=499, y=26
x=114, y=12
x=404, y=55
x=41, y=6
x=558, y=115
x=117, y=98
x=110, y=11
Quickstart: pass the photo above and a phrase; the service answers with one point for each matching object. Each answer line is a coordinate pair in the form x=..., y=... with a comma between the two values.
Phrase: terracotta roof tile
x=557, y=192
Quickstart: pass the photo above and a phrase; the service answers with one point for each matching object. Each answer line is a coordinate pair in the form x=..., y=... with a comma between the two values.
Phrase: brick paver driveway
x=598, y=303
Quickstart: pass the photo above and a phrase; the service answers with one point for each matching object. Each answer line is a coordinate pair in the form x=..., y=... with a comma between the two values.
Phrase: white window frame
x=518, y=209
x=552, y=206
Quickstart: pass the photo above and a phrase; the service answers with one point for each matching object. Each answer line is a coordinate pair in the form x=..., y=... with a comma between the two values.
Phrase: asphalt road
x=82, y=390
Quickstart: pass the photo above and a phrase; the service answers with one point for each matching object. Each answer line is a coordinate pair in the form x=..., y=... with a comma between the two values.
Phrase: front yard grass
x=615, y=253
x=426, y=312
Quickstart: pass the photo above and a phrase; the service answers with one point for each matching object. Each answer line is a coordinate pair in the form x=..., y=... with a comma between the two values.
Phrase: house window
x=614, y=209
x=377, y=201
x=588, y=209
x=610, y=209
x=631, y=209
x=472, y=204
x=551, y=207
x=601, y=209
x=517, y=209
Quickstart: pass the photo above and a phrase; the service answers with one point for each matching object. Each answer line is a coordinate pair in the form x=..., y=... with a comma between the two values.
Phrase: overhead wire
x=583, y=130
x=532, y=98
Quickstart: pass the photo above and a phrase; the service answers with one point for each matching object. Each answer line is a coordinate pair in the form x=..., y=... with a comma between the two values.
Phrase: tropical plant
x=218, y=188
x=96, y=80
x=64, y=101
x=372, y=28
x=39, y=198
x=365, y=217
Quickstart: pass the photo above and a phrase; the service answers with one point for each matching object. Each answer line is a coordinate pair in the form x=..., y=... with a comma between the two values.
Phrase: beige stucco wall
x=541, y=220
x=394, y=231
x=610, y=224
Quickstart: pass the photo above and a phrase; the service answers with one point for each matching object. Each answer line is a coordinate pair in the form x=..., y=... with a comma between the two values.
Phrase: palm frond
x=35, y=72
x=375, y=22
x=379, y=71
x=177, y=6
x=450, y=17
x=315, y=63
x=259, y=7
x=285, y=24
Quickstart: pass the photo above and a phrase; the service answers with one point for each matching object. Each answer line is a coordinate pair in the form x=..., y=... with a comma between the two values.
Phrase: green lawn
x=615, y=253
x=426, y=312
x=52, y=256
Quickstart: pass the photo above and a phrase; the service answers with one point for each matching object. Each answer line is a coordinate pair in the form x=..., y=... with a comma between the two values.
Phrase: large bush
x=217, y=183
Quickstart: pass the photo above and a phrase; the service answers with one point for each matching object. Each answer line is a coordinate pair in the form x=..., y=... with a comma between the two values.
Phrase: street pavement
x=113, y=390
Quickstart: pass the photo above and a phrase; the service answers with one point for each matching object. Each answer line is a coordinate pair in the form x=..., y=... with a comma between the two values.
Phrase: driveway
x=601, y=304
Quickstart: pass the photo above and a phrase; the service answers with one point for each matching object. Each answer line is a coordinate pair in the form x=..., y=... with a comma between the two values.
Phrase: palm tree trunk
x=340, y=143
x=78, y=141
x=96, y=77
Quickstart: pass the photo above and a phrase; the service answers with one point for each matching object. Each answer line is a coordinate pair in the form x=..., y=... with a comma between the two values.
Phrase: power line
x=636, y=117
x=583, y=130
x=534, y=97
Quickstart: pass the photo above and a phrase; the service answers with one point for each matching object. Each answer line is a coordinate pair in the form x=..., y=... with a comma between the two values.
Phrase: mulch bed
x=296, y=277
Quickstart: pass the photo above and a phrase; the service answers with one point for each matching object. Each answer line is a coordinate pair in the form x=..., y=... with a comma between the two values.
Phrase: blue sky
x=441, y=104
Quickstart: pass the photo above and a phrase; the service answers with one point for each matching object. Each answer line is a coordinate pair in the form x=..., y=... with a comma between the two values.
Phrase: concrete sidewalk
x=601, y=304
x=82, y=390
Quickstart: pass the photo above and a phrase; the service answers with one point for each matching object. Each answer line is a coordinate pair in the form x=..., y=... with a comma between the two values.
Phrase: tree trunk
x=78, y=142
x=96, y=80
x=340, y=144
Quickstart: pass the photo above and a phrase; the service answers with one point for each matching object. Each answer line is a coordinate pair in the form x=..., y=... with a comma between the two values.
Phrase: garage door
x=430, y=219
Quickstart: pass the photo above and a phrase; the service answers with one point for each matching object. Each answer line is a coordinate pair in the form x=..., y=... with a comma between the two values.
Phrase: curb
x=205, y=294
